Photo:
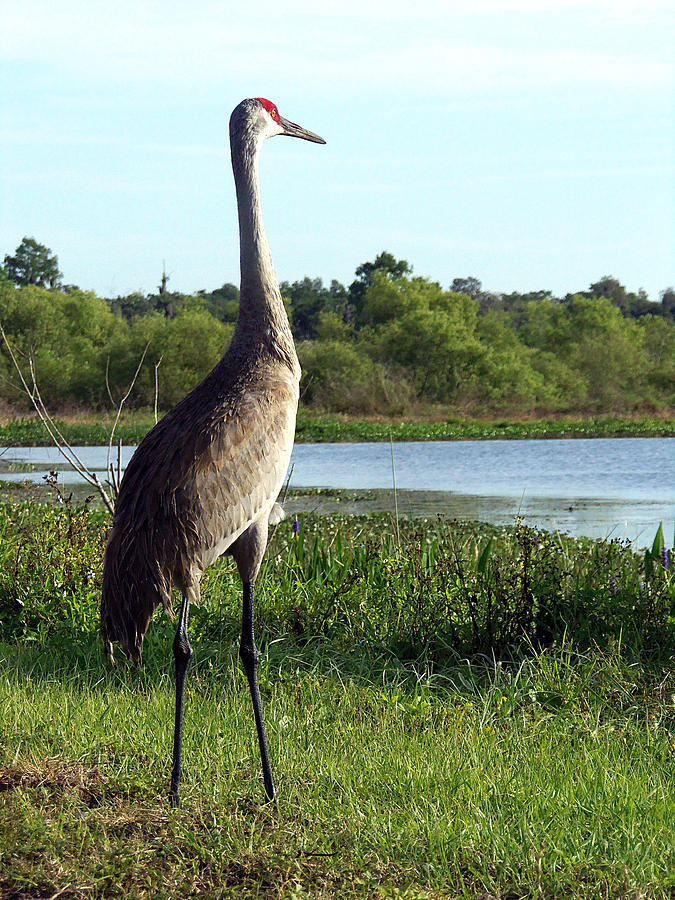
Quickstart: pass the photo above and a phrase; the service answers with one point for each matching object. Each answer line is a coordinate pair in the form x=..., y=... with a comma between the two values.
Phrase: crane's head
x=261, y=119
x=283, y=126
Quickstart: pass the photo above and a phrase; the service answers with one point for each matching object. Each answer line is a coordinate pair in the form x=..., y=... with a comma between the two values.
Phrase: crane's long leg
x=250, y=657
x=182, y=652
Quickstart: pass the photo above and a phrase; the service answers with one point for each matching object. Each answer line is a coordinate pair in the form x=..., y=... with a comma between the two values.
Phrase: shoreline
x=551, y=514
x=29, y=432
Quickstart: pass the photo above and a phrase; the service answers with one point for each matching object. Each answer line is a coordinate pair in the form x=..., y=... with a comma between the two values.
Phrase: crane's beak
x=293, y=130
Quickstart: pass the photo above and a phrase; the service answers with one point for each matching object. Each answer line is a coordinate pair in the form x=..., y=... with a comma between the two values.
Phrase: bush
x=336, y=376
x=51, y=565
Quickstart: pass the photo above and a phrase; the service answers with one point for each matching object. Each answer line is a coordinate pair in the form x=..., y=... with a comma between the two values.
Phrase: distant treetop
x=33, y=263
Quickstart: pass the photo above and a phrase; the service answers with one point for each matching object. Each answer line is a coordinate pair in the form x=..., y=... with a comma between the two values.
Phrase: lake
x=601, y=487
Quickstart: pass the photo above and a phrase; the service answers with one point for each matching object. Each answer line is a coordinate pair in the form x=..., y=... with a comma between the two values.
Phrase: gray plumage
x=205, y=479
x=211, y=468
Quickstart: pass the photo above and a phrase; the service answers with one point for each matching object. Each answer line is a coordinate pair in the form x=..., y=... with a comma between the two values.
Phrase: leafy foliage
x=445, y=589
x=392, y=343
x=317, y=428
x=51, y=566
x=33, y=263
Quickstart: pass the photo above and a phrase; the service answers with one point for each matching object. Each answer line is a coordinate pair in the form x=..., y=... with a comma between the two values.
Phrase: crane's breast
x=241, y=468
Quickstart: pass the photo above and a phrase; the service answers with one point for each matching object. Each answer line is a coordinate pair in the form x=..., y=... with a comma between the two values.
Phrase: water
x=618, y=487
x=604, y=487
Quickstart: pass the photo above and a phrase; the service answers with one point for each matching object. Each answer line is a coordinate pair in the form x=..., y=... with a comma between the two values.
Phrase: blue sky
x=530, y=144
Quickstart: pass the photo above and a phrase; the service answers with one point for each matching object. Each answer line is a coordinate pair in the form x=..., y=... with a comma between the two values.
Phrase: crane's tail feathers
x=132, y=590
x=277, y=514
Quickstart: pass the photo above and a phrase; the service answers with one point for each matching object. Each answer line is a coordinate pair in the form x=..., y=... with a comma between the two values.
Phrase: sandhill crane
x=205, y=480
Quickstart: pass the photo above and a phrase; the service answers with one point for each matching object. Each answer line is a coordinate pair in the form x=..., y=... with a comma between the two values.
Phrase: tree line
x=390, y=343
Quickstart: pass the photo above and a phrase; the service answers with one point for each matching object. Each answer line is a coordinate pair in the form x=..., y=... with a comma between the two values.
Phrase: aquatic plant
x=435, y=590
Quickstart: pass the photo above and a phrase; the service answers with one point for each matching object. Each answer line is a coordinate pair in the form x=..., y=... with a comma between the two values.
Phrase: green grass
x=317, y=428
x=460, y=712
x=548, y=779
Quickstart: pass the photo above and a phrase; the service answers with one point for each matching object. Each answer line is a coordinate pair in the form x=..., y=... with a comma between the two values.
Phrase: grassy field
x=454, y=710
x=88, y=430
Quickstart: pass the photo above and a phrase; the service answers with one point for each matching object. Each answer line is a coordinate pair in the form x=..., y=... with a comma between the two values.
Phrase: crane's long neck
x=261, y=310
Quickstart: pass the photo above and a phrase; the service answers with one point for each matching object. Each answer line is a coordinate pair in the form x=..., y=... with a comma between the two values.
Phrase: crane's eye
x=270, y=107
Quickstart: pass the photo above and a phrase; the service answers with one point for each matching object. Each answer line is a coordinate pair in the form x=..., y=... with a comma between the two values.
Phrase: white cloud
x=414, y=47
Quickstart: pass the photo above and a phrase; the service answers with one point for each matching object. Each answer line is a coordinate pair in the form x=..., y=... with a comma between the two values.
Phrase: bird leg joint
x=249, y=655
x=182, y=650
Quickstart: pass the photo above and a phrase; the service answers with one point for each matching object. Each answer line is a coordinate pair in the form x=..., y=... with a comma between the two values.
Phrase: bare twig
x=157, y=384
x=306, y=387
x=107, y=383
x=52, y=429
x=57, y=437
x=32, y=391
x=288, y=482
x=119, y=408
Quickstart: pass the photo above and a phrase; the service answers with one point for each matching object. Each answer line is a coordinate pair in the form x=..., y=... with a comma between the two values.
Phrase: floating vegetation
x=315, y=428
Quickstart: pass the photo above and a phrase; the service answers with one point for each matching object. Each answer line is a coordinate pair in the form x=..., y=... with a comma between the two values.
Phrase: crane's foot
x=174, y=799
x=249, y=657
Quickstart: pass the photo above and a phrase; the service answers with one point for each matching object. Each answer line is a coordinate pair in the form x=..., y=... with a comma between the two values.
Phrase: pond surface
x=618, y=487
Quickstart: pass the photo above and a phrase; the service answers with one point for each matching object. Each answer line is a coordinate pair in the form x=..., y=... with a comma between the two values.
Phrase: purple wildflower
x=664, y=557
x=613, y=586
x=295, y=527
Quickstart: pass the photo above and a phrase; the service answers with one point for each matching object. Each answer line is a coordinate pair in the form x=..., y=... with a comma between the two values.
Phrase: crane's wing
x=209, y=469
x=240, y=470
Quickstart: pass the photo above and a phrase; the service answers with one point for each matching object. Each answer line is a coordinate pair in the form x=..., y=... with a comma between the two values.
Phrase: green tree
x=658, y=336
x=413, y=323
x=505, y=375
x=340, y=378
x=309, y=300
x=546, y=325
x=566, y=388
x=630, y=303
x=608, y=350
x=384, y=264
x=388, y=299
x=33, y=263
x=668, y=303
x=67, y=335
x=194, y=343
x=469, y=285
x=610, y=287
x=332, y=327
x=223, y=303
